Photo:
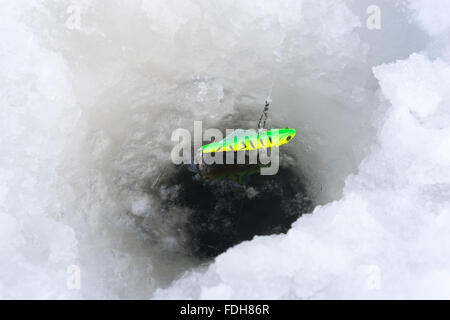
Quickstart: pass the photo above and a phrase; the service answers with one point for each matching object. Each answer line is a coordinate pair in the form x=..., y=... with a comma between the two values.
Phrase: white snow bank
x=386, y=238
x=35, y=249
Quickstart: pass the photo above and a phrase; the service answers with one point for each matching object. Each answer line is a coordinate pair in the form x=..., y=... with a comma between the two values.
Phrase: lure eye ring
x=288, y=138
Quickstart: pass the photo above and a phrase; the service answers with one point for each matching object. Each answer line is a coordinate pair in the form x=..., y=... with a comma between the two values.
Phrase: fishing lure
x=241, y=140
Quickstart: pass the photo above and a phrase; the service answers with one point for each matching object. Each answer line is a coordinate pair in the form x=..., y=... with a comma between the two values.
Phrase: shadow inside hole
x=222, y=210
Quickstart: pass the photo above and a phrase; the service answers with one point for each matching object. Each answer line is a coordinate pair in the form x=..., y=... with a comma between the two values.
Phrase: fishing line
x=266, y=109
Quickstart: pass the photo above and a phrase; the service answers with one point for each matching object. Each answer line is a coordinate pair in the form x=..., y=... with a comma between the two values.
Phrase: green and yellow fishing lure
x=241, y=140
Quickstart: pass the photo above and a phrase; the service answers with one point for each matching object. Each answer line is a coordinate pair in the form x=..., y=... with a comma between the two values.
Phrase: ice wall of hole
x=137, y=199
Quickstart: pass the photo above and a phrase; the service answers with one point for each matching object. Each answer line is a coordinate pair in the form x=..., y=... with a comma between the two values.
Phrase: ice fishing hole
x=228, y=205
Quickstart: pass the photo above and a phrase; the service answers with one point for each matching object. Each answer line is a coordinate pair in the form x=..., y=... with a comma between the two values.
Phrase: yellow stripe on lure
x=249, y=140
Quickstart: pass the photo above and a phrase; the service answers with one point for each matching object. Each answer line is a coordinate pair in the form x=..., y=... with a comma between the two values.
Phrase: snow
x=432, y=15
x=84, y=116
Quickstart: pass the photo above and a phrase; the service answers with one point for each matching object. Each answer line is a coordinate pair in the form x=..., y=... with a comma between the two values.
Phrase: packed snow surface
x=90, y=92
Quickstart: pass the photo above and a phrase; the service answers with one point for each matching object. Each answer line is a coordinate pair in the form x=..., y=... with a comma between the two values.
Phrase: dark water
x=223, y=210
